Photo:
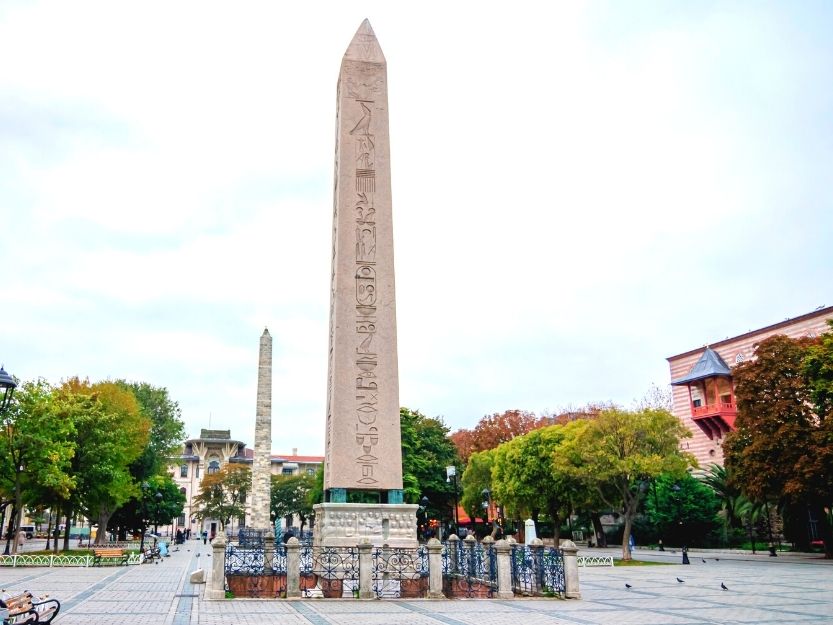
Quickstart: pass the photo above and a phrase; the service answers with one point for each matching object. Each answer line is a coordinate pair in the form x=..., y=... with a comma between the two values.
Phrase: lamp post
x=487, y=503
x=158, y=496
x=7, y=386
x=451, y=474
x=677, y=498
x=423, y=508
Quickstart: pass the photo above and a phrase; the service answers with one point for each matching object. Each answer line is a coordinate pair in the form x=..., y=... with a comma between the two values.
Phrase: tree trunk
x=601, y=537
x=103, y=520
x=18, y=506
x=626, y=552
x=556, y=525
x=66, y=528
x=825, y=532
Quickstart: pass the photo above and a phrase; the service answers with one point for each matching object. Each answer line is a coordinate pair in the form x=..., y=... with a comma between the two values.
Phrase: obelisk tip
x=266, y=332
x=365, y=46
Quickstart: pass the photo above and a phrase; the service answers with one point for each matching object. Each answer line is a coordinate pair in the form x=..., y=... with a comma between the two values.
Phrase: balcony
x=715, y=419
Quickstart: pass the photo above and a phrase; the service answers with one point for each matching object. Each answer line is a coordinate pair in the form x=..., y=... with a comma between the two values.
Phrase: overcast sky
x=579, y=192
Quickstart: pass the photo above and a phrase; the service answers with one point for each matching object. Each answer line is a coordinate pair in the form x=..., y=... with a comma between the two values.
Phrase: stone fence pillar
x=453, y=564
x=435, y=569
x=365, y=570
x=469, y=545
x=217, y=582
x=504, y=570
x=293, y=568
x=571, y=583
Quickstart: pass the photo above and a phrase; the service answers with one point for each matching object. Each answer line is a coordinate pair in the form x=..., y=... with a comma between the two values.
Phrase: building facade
x=208, y=454
x=703, y=390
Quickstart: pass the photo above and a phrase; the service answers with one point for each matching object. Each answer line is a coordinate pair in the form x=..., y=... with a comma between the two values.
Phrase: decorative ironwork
x=469, y=570
x=249, y=573
x=537, y=570
x=329, y=570
x=400, y=572
x=594, y=561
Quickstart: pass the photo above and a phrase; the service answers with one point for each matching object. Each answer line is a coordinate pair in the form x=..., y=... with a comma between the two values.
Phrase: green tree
x=476, y=478
x=426, y=451
x=620, y=451
x=683, y=509
x=109, y=435
x=290, y=495
x=782, y=449
x=525, y=479
x=732, y=501
x=166, y=435
x=223, y=494
x=38, y=448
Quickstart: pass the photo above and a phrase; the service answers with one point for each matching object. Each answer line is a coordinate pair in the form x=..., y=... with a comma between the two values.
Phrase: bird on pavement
x=723, y=586
x=680, y=580
x=704, y=560
x=627, y=585
x=717, y=559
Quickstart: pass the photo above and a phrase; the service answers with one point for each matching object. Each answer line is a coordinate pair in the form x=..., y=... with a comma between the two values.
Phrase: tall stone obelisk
x=363, y=445
x=261, y=466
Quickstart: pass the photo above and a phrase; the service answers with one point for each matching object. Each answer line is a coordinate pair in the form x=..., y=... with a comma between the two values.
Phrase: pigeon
x=704, y=560
x=208, y=556
x=627, y=585
x=717, y=559
x=723, y=586
x=680, y=580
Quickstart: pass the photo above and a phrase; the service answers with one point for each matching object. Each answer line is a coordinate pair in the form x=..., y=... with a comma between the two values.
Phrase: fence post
x=217, y=583
x=268, y=552
x=537, y=549
x=293, y=568
x=365, y=569
x=453, y=565
x=504, y=570
x=435, y=569
x=469, y=545
x=571, y=584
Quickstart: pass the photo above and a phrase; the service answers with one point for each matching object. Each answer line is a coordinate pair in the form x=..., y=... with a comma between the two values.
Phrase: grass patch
x=639, y=563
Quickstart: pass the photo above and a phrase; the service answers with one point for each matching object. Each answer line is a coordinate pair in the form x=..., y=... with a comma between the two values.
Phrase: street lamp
x=487, y=502
x=7, y=386
x=451, y=472
x=158, y=498
x=676, y=488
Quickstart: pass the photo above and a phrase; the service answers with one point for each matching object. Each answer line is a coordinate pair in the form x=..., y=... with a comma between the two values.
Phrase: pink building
x=701, y=379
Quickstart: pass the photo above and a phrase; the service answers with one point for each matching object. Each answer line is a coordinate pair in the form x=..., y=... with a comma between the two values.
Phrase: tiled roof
x=709, y=365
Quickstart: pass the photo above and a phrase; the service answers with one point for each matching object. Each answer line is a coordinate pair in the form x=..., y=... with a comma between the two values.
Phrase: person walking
x=204, y=537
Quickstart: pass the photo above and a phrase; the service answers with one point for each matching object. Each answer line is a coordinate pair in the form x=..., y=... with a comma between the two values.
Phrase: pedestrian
x=205, y=537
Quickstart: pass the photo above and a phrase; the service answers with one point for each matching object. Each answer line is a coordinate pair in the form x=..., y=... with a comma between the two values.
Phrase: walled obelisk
x=261, y=466
x=363, y=446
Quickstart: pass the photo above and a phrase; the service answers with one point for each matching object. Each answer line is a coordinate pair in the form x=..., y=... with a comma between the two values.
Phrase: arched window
x=183, y=470
x=213, y=467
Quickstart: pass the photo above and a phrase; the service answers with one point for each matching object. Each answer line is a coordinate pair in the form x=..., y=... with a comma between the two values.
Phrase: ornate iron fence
x=248, y=574
x=400, y=572
x=332, y=571
x=469, y=569
x=537, y=570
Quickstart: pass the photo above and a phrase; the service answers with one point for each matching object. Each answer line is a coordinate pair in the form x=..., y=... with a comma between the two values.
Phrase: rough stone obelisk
x=363, y=445
x=261, y=466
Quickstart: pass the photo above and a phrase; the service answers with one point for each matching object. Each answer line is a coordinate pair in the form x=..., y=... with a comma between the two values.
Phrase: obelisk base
x=347, y=524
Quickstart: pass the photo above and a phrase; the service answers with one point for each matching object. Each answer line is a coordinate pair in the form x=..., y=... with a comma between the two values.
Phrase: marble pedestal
x=348, y=524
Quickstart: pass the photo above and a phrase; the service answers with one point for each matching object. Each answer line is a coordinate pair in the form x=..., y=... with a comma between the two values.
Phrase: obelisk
x=261, y=465
x=363, y=449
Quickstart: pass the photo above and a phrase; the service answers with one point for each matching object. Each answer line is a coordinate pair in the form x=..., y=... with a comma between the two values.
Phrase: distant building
x=703, y=390
x=206, y=455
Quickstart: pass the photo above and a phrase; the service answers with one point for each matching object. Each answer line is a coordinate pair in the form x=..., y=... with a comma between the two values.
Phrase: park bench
x=26, y=608
x=109, y=554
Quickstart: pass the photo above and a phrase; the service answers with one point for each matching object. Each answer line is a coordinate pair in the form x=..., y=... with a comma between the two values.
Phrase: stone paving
x=769, y=591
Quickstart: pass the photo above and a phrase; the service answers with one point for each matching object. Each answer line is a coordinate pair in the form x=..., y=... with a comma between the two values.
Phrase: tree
x=492, y=430
x=620, y=451
x=223, y=494
x=683, y=509
x=166, y=434
x=782, y=449
x=731, y=500
x=38, y=448
x=426, y=451
x=525, y=479
x=290, y=495
x=476, y=477
x=109, y=434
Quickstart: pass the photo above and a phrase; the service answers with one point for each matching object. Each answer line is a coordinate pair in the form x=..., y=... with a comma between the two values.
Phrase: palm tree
x=734, y=505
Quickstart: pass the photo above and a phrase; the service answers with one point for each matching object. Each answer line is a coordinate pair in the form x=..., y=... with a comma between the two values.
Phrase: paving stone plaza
x=789, y=590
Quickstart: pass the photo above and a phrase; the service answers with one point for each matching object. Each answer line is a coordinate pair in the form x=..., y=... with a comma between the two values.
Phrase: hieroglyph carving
x=366, y=361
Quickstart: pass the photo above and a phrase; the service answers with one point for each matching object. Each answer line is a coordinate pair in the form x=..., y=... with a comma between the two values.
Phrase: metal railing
x=537, y=571
x=400, y=572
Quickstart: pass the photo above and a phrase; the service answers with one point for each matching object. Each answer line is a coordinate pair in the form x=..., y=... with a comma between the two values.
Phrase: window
x=286, y=471
x=213, y=467
x=310, y=471
x=183, y=470
x=696, y=403
x=181, y=520
x=197, y=471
